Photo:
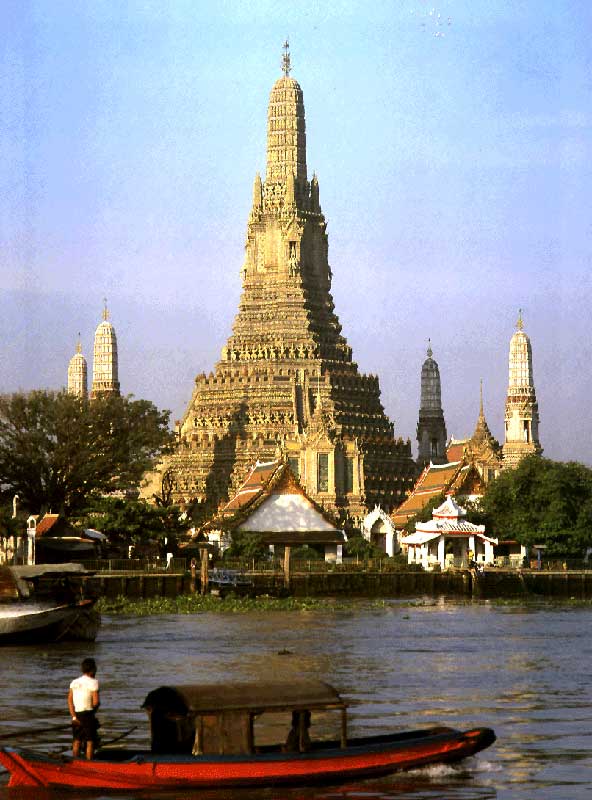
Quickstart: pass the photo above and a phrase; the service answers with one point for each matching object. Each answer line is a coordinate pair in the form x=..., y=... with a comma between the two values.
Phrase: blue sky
x=454, y=170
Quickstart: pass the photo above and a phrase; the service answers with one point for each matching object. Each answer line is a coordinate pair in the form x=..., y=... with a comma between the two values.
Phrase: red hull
x=363, y=758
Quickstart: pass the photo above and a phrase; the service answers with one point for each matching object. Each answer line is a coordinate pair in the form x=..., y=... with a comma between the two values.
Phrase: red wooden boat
x=204, y=737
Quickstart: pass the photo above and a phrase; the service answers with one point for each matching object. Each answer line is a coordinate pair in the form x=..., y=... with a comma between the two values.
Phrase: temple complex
x=431, y=428
x=105, y=363
x=286, y=384
x=78, y=373
x=522, y=410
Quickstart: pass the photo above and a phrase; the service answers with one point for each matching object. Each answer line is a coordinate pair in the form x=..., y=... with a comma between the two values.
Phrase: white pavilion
x=448, y=540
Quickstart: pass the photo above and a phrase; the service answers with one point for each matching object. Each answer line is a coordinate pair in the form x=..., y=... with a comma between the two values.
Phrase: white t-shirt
x=82, y=692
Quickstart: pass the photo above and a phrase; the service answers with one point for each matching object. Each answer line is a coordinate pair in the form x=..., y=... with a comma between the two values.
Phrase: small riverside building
x=378, y=529
x=56, y=541
x=448, y=540
x=272, y=503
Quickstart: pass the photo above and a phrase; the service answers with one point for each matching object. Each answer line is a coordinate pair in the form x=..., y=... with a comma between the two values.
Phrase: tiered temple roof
x=272, y=503
x=458, y=477
x=482, y=449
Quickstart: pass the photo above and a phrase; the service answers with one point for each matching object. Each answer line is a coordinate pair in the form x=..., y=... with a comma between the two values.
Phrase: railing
x=270, y=566
x=314, y=566
x=509, y=562
x=135, y=565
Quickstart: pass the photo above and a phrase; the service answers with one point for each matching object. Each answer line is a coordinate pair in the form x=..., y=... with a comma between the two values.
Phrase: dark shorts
x=87, y=728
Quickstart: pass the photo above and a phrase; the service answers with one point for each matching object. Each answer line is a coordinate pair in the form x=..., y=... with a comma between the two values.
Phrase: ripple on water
x=518, y=670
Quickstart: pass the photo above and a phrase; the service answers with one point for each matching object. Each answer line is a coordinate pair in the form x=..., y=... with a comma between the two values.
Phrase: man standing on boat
x=83, y=702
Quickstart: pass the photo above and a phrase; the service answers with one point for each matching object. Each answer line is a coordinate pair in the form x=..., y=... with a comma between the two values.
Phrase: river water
x=524, y=670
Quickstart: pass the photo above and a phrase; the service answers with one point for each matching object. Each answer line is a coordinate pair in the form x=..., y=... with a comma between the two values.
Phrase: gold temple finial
x=286, y=59
x=105, y=309
x=79, y=344
x=430, y=353
x=481, y=413
x=519, y=324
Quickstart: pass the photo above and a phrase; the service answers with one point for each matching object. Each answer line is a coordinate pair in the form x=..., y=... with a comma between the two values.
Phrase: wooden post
x=204, y=570
x=193, y=583
x=287, y=566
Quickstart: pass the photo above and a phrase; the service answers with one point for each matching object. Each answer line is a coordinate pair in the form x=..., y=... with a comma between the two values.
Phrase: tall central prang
x=286, y=383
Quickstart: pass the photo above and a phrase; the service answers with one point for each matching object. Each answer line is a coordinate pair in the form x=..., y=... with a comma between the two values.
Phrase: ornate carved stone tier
x=286, y=382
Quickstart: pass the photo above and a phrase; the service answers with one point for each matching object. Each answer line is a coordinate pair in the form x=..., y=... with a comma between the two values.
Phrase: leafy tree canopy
x=542, y=502
x=57, y=450
x=9, y=525
x=132, y=522
x=246, y=544
x=357, y=545
x=307, y=553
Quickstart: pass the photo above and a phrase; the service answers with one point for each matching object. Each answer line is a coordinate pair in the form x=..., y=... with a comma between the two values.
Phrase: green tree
x=132, y=522
x=357, y=545
x=307, y=553
x=9, y=525
x=246, y=544
x=542, y=502
x=57, y=450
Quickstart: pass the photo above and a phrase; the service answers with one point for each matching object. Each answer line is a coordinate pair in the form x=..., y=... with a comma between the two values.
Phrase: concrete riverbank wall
x=490, y=584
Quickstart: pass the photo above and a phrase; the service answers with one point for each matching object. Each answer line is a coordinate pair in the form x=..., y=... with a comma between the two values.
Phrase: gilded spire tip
x=79, y=345
x=519, y=323
x=481, y=412
x=286, y=66
x=430, y=352
x=105, y=309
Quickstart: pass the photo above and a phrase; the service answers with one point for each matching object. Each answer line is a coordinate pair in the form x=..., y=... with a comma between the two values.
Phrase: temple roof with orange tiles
x=274, y=483
x=435, y=480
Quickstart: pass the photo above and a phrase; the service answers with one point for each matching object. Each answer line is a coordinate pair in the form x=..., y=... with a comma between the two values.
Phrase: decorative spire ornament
x=286, y=66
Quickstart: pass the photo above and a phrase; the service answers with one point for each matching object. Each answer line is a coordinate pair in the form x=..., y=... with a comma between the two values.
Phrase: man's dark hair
x=88, y=666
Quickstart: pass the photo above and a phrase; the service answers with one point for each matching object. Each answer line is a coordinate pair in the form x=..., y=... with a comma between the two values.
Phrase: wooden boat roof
x=41, y=570
x=257, y=697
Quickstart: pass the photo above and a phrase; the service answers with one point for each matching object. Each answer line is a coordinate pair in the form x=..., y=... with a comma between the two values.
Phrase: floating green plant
x=199, y=604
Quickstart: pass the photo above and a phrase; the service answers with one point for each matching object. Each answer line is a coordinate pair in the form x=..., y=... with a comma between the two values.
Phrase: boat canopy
x=30, y=571
x=254, y=697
